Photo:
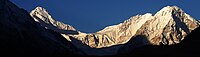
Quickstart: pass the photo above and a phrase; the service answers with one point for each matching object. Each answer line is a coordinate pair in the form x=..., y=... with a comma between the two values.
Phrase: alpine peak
x=168, y=26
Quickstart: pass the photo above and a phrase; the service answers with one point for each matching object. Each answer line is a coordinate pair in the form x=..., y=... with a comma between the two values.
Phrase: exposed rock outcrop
x=21, y=36
x=167, y=27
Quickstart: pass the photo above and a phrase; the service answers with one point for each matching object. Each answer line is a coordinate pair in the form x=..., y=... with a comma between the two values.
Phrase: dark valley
x=170, y=32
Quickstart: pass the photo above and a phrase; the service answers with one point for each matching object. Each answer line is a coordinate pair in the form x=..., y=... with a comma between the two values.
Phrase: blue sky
x=93, y=15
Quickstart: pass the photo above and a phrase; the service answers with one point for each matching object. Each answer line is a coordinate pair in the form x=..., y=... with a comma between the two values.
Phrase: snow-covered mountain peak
x=168, y=26
x=41, y=11
x=169, y=10
x=42, y=16
x=39, y=8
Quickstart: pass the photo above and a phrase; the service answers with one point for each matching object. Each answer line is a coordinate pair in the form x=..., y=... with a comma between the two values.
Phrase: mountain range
x=167, y=27
x=38, y=34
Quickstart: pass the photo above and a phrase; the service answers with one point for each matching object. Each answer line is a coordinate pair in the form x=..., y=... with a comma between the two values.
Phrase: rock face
x=37, y=34
x=167, y=27
x=21, y=36
x=42, y=16
x=188, y=47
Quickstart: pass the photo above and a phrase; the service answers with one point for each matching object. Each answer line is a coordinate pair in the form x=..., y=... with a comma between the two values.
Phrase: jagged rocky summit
x=38, y=34
x=167, y=27
x=22, y=36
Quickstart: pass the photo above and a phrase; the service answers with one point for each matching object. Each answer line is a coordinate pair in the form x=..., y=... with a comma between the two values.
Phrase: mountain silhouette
x=170, y=32
x=188, y=47
x=21, y=36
